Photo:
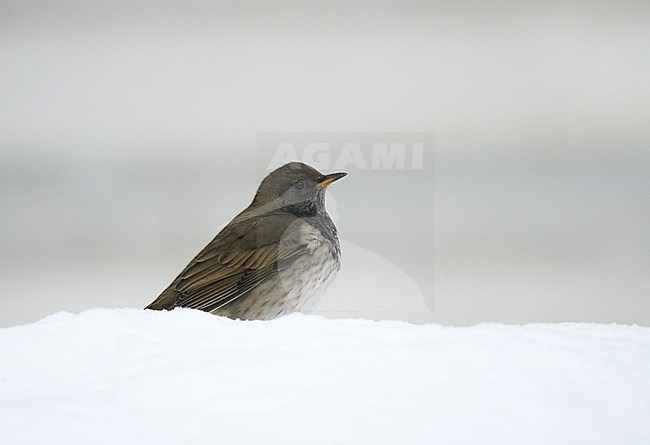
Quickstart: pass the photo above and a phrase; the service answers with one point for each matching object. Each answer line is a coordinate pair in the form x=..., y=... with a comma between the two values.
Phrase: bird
x=278, y=256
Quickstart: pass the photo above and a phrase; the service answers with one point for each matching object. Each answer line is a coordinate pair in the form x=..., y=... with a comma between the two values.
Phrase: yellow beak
x=328, y=179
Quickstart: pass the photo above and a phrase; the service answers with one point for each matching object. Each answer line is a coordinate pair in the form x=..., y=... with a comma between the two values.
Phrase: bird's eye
x=300, y=185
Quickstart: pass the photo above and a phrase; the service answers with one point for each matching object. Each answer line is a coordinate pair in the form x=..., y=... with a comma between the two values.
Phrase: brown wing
x=244, y=255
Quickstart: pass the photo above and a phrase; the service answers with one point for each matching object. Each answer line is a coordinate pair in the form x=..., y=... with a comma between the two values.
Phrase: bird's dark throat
x=303, y=209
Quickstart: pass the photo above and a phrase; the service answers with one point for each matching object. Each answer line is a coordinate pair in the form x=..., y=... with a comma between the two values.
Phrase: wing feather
x=244, y=255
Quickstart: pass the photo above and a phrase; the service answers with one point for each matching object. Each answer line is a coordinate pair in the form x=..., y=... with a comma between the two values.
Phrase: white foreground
x=187, y=377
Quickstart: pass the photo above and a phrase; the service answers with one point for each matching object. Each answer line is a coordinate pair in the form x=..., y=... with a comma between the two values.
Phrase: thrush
x=276, y=257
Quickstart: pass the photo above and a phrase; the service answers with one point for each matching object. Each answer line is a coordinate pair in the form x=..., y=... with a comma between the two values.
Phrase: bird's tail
x=166, y=300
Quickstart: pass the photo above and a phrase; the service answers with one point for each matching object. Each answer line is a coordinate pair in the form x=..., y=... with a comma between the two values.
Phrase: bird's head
x=297, y=186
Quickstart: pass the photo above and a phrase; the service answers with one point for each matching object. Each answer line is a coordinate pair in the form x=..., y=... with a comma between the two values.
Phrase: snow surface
x=184, y=377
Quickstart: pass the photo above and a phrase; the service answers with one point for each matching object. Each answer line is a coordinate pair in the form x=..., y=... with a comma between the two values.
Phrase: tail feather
x=165, y=301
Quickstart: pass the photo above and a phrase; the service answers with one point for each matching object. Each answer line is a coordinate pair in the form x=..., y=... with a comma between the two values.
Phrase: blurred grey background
x=128, y=135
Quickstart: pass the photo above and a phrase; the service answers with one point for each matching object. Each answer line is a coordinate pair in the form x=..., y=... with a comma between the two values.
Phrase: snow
x=184, y=377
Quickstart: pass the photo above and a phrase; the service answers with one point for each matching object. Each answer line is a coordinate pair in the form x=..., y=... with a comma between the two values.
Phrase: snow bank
x=183, y=377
